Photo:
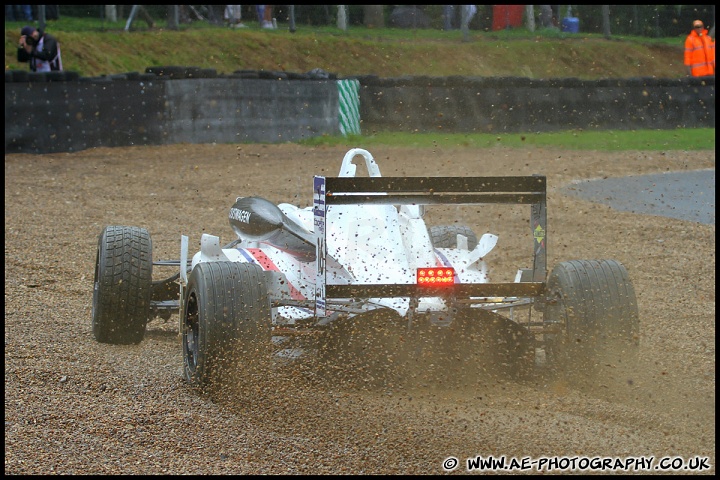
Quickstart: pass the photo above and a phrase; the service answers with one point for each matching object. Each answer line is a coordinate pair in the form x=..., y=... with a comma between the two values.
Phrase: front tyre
x=122, y=285
x=226, y=320
x=445, y=236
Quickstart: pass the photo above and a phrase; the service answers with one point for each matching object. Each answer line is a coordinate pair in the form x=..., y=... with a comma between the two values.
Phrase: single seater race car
x=360, y=256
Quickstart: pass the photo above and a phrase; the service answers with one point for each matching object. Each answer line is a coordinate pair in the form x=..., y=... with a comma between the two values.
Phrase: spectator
x=470, y=11
x=409, y=16
x=27, y=12
x=699, y=51
x=448, y=16
x=233, y=15
x=18, y=12
x=547, y=17
x=39, y=49
x=268, y=20
x=264, y=13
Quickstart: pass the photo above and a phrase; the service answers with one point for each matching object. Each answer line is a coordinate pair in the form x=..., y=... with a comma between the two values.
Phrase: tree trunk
x=606, y=21
x=464, y=21
x=111, y=13
x=291, y=18
x=530, y=14
x=342, y=18
x=173, y=21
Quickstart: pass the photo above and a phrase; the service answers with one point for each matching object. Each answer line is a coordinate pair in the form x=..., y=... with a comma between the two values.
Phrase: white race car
x=363, y=254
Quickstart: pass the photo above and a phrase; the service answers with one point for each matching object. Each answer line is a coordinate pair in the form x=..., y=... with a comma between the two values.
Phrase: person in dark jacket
x=39, y=49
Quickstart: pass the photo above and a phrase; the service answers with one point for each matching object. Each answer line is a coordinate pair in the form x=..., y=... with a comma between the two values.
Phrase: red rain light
x=435, y=276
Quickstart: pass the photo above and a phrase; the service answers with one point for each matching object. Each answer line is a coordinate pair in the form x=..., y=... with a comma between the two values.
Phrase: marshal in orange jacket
x=700, y=53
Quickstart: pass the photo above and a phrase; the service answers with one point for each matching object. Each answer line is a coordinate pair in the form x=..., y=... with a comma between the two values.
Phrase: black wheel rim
x=191, y=331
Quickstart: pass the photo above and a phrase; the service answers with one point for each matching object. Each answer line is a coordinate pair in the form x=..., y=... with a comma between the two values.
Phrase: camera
x=29, y=40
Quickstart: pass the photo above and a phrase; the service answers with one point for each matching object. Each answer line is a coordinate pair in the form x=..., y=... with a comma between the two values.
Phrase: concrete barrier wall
x=43, y=116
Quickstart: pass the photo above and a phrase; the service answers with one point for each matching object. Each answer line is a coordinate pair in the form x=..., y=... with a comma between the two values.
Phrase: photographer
x=39, y=49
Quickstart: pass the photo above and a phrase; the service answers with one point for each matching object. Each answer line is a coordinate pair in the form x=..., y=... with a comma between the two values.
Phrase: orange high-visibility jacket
x=700, y=54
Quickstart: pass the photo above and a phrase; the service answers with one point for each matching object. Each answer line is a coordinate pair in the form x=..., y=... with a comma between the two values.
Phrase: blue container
x=570, y=24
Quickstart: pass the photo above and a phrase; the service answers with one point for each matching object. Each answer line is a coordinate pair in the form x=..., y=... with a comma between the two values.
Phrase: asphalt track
x=682, y=195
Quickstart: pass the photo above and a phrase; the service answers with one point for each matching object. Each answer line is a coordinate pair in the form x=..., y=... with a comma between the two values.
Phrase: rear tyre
x=122, y=285
x=226, y=321
x=594, y=305
x=445, y=236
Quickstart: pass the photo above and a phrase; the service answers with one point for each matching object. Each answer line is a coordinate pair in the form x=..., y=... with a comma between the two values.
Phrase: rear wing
x=516, y=190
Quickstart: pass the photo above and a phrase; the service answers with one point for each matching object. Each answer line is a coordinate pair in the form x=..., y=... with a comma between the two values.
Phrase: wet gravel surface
x=75, y=406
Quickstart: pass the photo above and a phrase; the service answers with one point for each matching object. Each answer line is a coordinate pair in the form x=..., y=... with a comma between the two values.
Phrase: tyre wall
x=497, y=105
x=66, y=116
x=45, y=114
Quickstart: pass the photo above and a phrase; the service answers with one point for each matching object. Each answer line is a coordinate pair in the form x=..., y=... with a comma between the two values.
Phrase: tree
x=111, y=13
x=173, y=17
x=606, y=21
x=342, y=18
x=530, y=16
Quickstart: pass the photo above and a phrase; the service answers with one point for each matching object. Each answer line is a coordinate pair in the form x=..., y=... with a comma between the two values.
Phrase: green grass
x=76, y=24
x=608, y=140
x=94, y=47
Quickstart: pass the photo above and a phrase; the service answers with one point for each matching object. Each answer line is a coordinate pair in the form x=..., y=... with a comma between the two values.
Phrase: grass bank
x=608, y=140
x=92, y=48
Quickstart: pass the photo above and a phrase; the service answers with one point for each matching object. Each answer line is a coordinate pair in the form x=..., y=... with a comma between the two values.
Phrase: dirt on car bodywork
x=75, y=406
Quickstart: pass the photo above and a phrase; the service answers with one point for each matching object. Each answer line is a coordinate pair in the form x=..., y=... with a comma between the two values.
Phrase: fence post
x=131, y=17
